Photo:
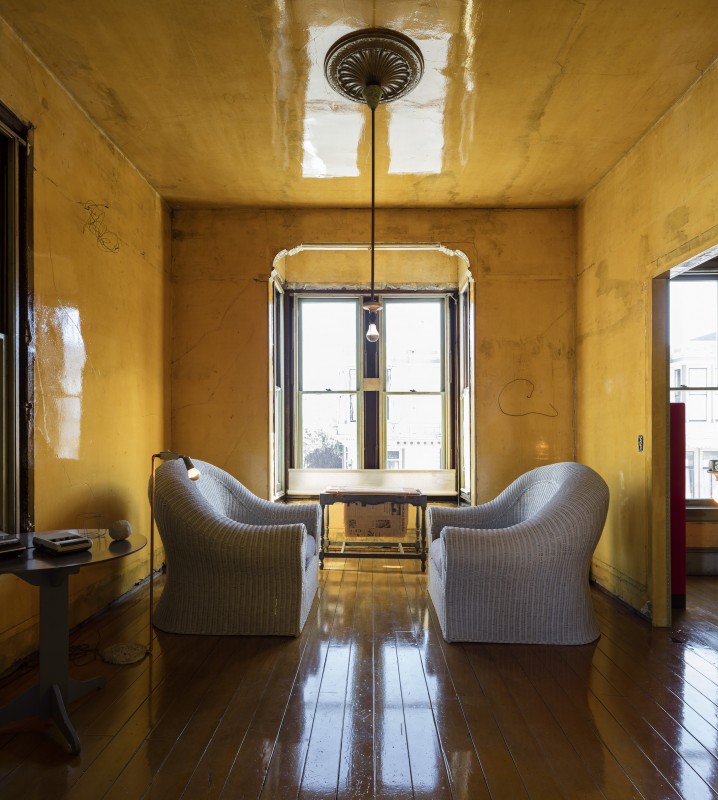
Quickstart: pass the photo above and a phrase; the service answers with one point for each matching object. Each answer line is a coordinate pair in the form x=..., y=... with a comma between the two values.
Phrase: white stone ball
x=120, y=530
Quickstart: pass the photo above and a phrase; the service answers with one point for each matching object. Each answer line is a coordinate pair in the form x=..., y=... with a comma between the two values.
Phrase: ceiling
x=523, y=103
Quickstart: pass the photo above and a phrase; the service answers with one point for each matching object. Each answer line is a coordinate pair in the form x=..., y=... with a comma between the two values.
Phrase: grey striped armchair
x=516, y=569
x=236, y=564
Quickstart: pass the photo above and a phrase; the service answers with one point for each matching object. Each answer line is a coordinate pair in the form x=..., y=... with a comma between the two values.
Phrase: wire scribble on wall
x=511, y=399
x=95, y=223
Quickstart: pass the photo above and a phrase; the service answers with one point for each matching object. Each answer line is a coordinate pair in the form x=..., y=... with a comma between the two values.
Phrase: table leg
x=59, y=714
x=49, y=697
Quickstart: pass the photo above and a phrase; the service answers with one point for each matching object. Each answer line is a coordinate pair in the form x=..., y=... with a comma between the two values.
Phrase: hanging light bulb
x=372, y=332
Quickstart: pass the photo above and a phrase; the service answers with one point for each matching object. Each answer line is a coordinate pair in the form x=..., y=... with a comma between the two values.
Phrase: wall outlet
x=640, y=443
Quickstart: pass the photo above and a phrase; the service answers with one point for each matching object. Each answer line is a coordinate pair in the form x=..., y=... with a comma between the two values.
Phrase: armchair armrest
x=226, y=546
x=483, y=516
x=529, y=545
x=308, y=514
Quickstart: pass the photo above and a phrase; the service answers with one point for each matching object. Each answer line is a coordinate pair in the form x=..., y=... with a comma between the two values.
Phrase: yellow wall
x=101, y=244
x=523, y=263
x=656, y=208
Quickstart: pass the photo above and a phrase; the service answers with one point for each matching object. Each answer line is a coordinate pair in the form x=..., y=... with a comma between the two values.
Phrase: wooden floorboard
x=391, y=750
x=371, y=702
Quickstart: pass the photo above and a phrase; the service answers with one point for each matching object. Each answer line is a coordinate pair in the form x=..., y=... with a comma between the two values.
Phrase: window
x=415, y=383
x=466, y=440
x=15, y=327
x=328, y=365
x=696, y=406
x=276, y=389
x=690, y=475
x=394, y=413
x=694, y=375
x=360, y=405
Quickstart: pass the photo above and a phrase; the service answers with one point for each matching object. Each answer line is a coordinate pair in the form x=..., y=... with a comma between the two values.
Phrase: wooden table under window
x=374, y=548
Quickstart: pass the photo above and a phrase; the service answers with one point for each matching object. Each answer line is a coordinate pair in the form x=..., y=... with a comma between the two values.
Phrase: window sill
x=308, y=482
x=707, y=512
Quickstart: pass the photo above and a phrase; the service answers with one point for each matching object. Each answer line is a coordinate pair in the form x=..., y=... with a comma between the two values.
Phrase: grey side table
x=49, y=698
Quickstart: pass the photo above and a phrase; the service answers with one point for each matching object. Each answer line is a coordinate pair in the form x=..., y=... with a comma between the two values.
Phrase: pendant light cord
x=372, y=204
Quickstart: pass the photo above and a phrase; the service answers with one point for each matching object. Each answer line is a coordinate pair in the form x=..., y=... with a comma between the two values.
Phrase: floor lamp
x=192, y=473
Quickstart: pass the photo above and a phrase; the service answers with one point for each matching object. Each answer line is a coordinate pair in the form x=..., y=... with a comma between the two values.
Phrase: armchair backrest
x=571, y=488
x=530, y=495
x=223, y=492
x=215, y=487
x=177, y=498
x=209, y=496
x=216, y=493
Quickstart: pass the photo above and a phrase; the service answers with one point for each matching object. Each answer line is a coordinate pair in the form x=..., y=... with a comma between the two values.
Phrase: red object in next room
x=678, y=504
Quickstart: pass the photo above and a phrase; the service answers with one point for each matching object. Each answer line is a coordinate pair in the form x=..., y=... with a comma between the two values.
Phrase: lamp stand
x=152, y=554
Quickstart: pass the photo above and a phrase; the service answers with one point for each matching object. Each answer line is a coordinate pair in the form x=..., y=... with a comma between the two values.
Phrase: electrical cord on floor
x=81, y=654
x=19, y=669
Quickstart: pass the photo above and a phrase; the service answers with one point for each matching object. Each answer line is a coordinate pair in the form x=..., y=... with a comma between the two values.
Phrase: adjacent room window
x=363, y=405
x=694, y=375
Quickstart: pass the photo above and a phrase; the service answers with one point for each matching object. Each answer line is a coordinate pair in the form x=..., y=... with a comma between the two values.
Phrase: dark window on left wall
x=16, y=330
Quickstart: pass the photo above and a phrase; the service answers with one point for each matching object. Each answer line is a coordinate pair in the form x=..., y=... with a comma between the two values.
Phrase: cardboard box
x=379, y=521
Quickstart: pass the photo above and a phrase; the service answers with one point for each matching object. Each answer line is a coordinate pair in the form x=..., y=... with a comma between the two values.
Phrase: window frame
x=277, y=387
x=680, y=393
x=298, y=391
x=367, y=371
x=17, y=513
x=445, y=371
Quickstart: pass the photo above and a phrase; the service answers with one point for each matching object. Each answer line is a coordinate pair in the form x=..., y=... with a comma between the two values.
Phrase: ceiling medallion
x=374, y=56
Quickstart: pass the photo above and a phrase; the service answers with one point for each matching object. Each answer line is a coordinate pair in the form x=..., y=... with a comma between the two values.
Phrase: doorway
x=693, y=409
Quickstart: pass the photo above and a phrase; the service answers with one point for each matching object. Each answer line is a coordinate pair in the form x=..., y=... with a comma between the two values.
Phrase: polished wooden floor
x=371, y=702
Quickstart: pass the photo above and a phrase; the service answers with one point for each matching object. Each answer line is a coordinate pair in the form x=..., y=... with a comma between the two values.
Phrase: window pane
x=694, y=319
x=696, y=406
x=414, y=431
x=329, y=431
x=690, y=475
x=705, y=482
x=701, y=442
x=278, y=439
x=465, y=446
x=413, y=334
x=328, y=344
